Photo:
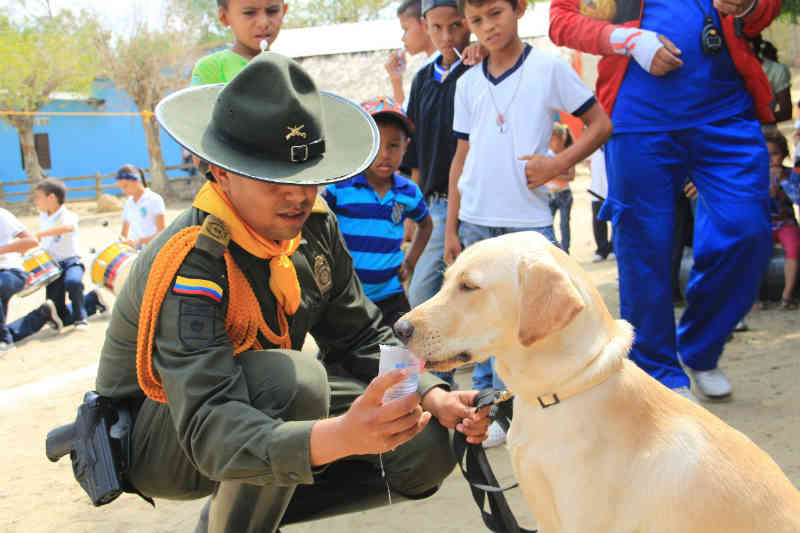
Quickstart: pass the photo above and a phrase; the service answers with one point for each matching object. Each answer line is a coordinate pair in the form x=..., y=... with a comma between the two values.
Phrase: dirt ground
x=42, y=382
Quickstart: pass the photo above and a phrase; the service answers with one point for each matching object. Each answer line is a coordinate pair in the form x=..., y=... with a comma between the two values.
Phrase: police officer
x=204, y=337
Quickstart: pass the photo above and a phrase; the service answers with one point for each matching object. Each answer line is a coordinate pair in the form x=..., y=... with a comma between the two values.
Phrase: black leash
x=478, y=471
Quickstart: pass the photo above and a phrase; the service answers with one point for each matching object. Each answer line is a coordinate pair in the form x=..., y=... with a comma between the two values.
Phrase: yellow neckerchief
x=282, y=276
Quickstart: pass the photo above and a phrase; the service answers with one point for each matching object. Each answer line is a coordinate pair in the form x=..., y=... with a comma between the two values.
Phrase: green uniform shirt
x=220, y=432
x=218, y=67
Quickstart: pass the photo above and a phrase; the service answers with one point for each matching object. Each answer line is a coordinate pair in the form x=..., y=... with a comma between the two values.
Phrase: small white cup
x=399, y=357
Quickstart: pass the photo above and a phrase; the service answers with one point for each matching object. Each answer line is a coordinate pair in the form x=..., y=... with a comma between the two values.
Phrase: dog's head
x=503, y=294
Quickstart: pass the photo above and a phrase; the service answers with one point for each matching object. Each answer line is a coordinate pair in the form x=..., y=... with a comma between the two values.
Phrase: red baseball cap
x=386, y=107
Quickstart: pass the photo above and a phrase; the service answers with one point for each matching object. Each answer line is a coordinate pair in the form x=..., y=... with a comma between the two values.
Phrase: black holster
x=99, y=445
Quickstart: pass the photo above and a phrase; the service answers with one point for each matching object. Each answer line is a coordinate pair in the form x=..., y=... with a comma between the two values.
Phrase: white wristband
x=641, y=44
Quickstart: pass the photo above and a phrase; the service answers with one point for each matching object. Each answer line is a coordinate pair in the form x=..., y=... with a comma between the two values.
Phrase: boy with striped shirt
x=371, y=209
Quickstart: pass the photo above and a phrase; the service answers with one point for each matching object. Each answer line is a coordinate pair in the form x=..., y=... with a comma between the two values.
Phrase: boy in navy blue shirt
x=371, y=209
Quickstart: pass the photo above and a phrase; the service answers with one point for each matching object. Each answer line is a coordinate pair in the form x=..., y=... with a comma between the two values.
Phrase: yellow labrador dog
x=597, y=445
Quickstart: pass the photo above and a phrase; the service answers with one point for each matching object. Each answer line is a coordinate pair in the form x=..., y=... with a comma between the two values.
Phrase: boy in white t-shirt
x=143, y=214
x=58, y=236
x=504, y=111
x=14, y=239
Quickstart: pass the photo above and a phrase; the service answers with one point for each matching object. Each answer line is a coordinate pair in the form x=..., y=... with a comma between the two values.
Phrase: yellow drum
x=110, y=267
x=40, y=270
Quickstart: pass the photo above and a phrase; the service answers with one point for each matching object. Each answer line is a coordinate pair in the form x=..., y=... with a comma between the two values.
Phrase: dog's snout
x=404, y=329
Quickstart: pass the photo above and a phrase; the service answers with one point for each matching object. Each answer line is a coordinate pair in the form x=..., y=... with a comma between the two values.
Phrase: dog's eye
x=466, y=287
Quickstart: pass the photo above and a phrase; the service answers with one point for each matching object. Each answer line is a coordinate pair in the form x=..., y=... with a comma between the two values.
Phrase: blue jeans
x=561, y=202
x=429, y=272
x=70, y=282
x=12, y=281
x=36, y=319
x=484, y=376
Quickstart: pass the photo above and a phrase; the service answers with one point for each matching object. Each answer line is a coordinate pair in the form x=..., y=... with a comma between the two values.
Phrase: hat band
x=298, y=153
x=127, y=176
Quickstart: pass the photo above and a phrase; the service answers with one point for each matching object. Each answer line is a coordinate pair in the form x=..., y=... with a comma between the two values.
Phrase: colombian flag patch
x=197, y=287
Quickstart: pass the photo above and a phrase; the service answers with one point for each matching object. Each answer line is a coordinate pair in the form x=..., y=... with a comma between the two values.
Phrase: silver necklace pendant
x=501, y=123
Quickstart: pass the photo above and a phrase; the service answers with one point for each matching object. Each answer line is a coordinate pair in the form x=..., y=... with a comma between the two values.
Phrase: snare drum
x=110, y=267
x=40, y=270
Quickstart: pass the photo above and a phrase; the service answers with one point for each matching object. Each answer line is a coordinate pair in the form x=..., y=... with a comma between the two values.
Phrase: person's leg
x=11, y=282
x=682, y=213
x=283, y=384
x=600, y=231
x=645, y=171
x=73, y=284
x=789, y=236
x=429, y=271
x=56, y=293
x=732, y=239
x=392, y=308
x=565, y=208
x=31, y=323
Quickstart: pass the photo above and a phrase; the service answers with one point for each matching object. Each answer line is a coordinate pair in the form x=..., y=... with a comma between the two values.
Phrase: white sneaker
x=52, y=315
x=611, y=256
x=8, y=346
x=597, y=258
x=496, y=436
x=741, y=326
x=687, y=393
x=713, y=383
x=82, y=325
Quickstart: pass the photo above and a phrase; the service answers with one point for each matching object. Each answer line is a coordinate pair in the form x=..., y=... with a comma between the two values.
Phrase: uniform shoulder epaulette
x=214, y=237
x=320, y=206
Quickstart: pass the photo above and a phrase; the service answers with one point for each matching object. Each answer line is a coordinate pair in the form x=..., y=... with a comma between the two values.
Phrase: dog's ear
x=548, y=299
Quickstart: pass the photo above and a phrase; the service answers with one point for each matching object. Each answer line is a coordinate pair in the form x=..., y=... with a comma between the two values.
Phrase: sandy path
x=43, y=380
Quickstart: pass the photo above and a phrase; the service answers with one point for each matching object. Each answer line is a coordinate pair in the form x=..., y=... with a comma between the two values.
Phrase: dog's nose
x=404, y=330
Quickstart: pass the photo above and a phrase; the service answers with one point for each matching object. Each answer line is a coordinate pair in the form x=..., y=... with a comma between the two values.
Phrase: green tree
x=148, y=64
x=42, y=55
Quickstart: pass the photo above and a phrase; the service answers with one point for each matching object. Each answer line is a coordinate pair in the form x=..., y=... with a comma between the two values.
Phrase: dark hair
x=769, y=51
x=51, y=186
x=389, y=119
x=133, y=170
x=222, y=3
x=776, y=137
x=411, y=8
x=462, y=3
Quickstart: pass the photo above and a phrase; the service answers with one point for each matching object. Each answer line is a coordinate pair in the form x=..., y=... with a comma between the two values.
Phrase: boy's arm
x=22, y=241
x=55, y=230
x=540, y=169
x=452, y=245
x=424, y=228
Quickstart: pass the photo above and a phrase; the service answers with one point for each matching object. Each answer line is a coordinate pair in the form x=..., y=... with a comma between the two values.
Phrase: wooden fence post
x=98, y=183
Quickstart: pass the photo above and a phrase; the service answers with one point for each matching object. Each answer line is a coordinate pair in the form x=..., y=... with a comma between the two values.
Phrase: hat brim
x=351, y=139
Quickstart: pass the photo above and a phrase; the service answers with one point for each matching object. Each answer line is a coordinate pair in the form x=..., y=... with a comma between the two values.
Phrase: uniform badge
x=296, y=131
x=397, y=213
x=322, y=274
x=197, y=287
x=213, y=237
x=196, y=328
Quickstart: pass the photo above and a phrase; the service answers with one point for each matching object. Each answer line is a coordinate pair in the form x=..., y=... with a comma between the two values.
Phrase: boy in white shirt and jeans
x=14, y=239
x=504, y=112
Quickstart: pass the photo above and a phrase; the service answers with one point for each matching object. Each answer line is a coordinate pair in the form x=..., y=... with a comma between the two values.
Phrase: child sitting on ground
x=143, y=214
x=14, y=239
x=784, y=224
x=251, y=21
x=558, y=188
x=371, y=208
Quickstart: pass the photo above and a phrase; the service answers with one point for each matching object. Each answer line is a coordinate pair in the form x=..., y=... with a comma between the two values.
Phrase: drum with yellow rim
x=110, y=267
x=40, y=270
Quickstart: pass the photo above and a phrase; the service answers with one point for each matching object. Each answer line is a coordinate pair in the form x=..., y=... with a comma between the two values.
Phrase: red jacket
x=568, y=27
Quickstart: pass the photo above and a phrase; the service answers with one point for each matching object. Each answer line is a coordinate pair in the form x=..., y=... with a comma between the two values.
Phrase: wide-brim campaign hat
x=271, y=123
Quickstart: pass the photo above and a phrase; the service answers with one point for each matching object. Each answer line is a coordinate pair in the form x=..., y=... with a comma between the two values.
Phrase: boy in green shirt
x=252, y=21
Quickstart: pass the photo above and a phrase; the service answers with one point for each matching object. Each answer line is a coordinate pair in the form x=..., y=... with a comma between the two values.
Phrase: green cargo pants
x=289, y=385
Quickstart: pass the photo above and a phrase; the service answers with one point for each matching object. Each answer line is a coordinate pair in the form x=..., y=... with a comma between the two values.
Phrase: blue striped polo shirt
x=372, y=228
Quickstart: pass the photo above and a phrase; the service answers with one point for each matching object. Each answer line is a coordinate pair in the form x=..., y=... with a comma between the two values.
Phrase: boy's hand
x=539, y=169
x=452, y=247
x=690, y=190
x=373, y=427
x=396, y=64
x=405, y=271
x=666, y=59
x=473, y=54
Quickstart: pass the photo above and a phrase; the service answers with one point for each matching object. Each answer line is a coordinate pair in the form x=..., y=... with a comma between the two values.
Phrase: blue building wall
x=85, y=145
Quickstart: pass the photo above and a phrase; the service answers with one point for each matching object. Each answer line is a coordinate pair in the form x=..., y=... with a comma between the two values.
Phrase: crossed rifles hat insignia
x=294, y=131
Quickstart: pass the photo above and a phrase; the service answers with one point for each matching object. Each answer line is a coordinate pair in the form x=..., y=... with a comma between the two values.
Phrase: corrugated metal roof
x=378, y=35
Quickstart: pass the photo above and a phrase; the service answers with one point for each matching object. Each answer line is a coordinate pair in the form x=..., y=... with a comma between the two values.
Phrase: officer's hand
x=732, y=7
x=454, y=410
x=452, y=247
x=666, y=59
x=374, y=427
x=539, y=169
